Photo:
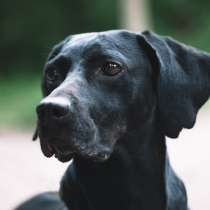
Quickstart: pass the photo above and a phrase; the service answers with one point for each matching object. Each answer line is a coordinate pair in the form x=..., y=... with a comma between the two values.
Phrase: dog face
x=98, y=87
x=91, y=86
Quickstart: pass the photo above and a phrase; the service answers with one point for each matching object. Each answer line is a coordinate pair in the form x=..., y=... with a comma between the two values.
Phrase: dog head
x=99, y=86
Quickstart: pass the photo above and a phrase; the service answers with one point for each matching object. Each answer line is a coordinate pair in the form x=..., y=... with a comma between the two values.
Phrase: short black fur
x=114, y=124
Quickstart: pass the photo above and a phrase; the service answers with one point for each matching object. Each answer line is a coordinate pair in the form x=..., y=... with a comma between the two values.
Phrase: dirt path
x=25, y=171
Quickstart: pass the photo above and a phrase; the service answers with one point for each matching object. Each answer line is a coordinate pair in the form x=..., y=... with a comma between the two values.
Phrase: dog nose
x=53, y=107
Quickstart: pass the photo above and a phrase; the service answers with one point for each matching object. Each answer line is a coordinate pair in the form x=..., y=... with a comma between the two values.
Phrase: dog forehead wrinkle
x=88, y=43
x=81, y=39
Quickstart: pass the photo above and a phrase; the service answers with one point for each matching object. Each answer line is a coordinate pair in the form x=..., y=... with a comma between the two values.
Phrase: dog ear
x=183, y=83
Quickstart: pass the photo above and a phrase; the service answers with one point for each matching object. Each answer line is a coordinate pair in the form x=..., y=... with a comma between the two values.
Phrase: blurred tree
x=30, y=28
x=186, y=20
x=135, y=14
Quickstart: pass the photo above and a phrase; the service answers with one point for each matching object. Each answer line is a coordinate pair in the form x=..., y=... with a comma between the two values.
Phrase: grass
x=19, y=97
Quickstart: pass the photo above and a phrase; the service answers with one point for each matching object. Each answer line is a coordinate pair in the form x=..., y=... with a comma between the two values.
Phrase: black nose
x=53, y=108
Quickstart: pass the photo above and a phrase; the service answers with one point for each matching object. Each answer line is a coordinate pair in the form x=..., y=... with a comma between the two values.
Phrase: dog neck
x=133, y=178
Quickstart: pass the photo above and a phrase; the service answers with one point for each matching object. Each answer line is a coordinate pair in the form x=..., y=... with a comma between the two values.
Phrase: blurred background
x=28, y=30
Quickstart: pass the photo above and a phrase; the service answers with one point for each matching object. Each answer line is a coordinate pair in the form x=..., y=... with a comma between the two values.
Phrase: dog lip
x=64, y=157
x=61, y=154
x=97, y=154
x=101, y=157
x=46, y=148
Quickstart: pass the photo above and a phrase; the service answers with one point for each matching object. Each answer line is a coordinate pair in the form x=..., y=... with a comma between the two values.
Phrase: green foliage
x=186, y=20
x=30, y=28
x=19, y=95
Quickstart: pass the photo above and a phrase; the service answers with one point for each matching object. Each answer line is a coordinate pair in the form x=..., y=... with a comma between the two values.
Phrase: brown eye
x=111, y=68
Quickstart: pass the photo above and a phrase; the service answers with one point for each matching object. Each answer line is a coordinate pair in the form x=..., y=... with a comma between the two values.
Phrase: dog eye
x=111, y=68
x=52, y=75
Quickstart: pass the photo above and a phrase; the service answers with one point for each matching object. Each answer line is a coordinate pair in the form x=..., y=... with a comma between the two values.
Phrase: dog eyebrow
x=95, y=55
x=98, y=57
x=99, y=52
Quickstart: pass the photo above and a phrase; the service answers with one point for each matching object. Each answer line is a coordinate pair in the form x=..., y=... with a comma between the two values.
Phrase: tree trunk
x=134, y=15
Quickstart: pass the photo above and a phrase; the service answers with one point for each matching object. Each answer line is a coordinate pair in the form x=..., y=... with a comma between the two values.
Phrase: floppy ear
x=183, y=83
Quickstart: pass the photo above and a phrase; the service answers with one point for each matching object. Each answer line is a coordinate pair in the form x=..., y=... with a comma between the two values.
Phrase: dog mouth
x=96, y=153
x=62, y=155
x=85, y=145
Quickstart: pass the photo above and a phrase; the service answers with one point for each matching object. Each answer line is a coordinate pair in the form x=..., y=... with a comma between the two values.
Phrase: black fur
x=114, y=126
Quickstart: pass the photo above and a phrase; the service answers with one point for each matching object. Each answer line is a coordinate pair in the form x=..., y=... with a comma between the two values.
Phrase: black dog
x=110, y=99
